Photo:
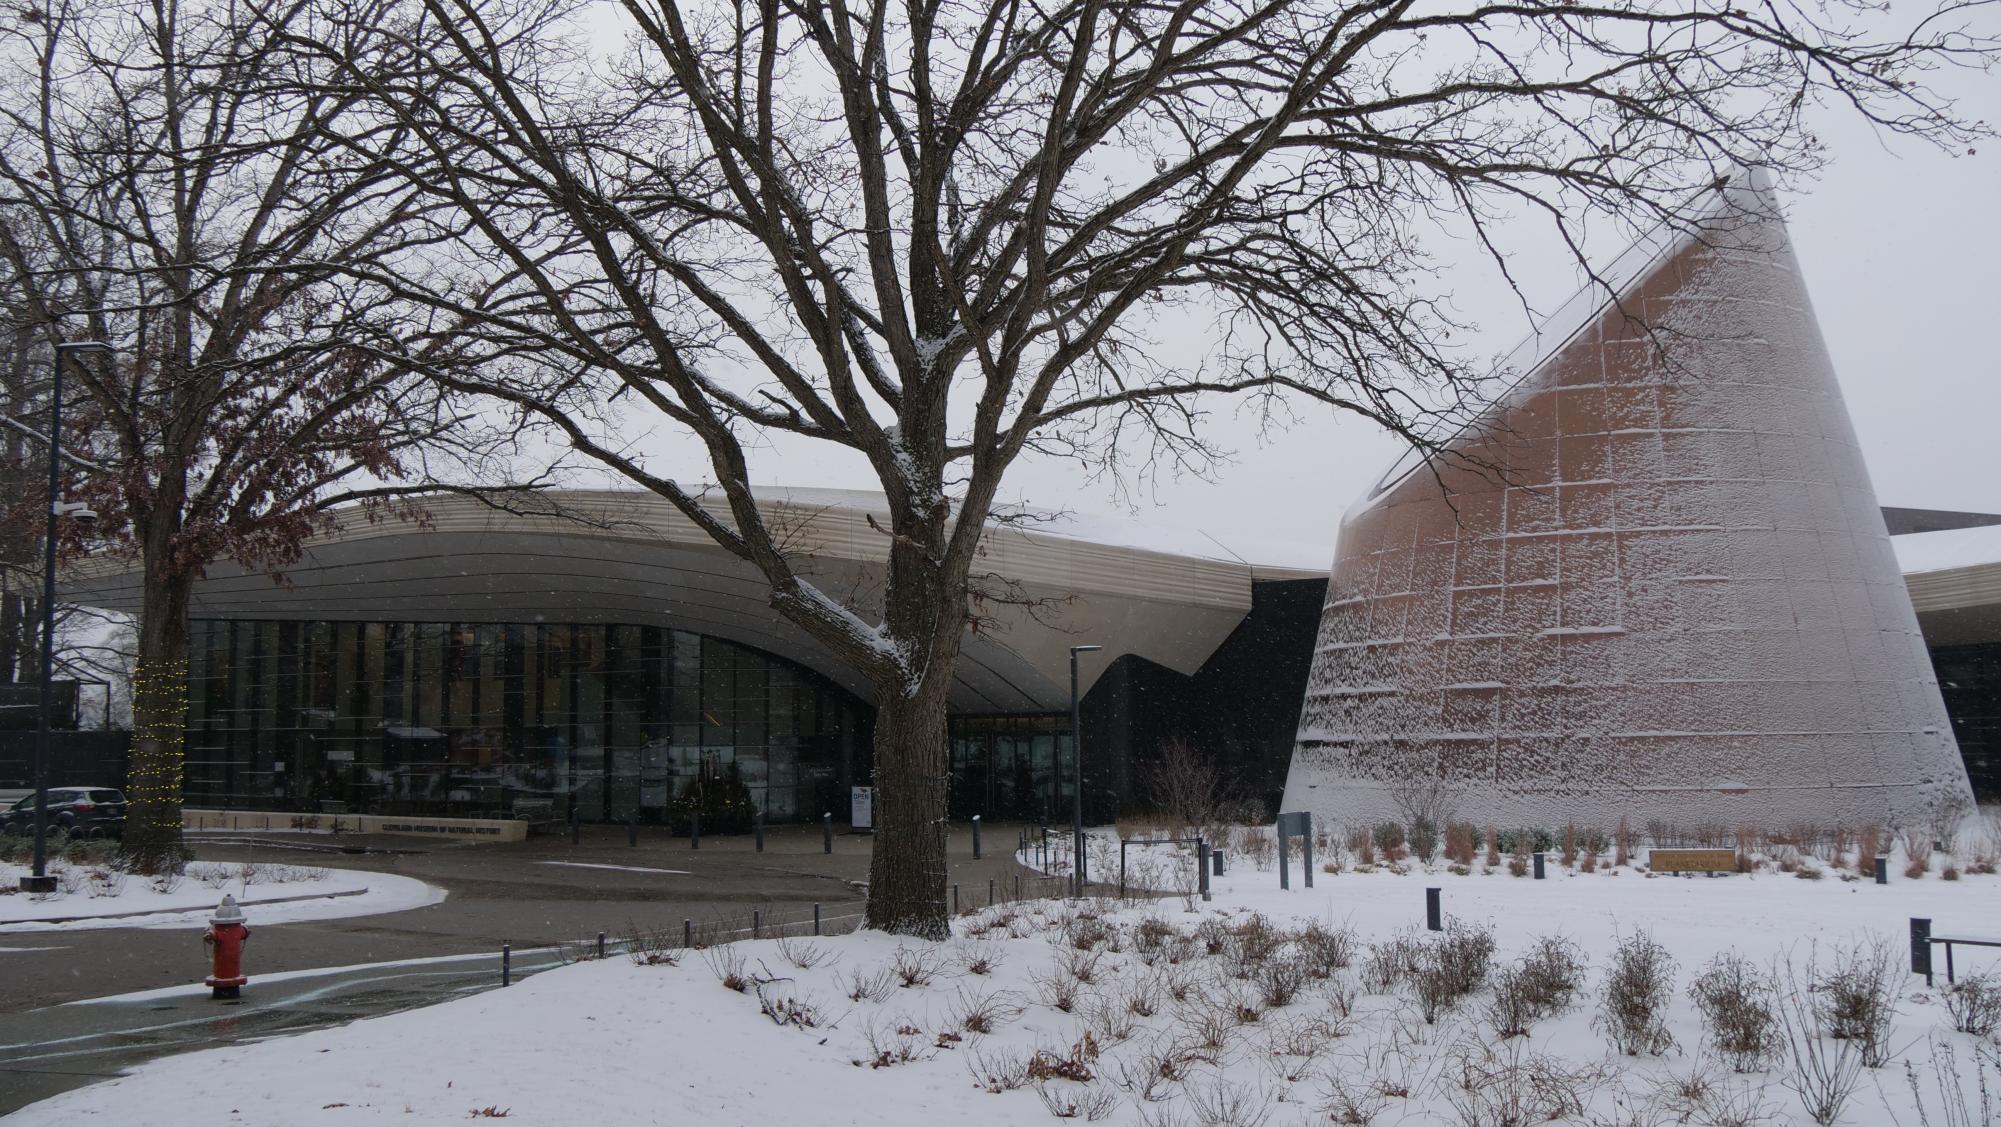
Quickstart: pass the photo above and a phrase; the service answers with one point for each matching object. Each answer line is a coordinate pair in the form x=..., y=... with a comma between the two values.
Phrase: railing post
x=1921, y=948
x=507, y=964
x=827, y=833
x=1202, y=866
x=816, y=917
x=694, y=829
x=757, y=829
x=976, y=837
x=632, y=829
x=600, y=944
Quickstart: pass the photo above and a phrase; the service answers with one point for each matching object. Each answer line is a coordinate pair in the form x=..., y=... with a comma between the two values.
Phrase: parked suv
x=92, y=810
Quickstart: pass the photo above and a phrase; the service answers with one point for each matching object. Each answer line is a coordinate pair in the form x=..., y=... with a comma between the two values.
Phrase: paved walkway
x=542, y=894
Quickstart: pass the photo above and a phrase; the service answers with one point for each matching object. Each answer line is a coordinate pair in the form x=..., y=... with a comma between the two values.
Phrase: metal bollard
x=990, y=892
x=1921, y=948
x=976, y=837
x=1202, y=865
x=756, y=922
x=576, y=826
x=600, y=944
x=955, y=899
x=1217, y=866
x=1538, y=866
x=827, y=833
x=1882, y=869
x=1434, y=915
x=631, y=829
x=687, y=934
x=816, y=917
x=694, y=829
x=506, y=964
x=757, y=829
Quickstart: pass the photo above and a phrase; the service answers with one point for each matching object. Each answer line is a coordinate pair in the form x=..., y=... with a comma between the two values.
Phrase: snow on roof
x=1947, y=550
x=1174, y=539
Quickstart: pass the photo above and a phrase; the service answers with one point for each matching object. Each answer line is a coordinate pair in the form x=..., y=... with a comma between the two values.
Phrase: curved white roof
x=630, y=557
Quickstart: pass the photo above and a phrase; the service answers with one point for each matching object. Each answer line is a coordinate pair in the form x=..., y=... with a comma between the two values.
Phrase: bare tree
x=162, y=189
x=936, y=235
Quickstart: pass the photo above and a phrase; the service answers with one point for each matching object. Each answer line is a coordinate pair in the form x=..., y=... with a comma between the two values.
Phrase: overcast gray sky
x=1900, y=245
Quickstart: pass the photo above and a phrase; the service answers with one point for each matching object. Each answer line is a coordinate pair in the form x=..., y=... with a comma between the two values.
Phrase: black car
x=93, y=810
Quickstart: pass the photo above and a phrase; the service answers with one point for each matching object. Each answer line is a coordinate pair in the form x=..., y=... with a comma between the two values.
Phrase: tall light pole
x=40, y=880
x=1077, y=779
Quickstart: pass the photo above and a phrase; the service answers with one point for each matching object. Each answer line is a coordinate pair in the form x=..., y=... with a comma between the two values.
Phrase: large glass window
x=501, y=720
x=1015, y=767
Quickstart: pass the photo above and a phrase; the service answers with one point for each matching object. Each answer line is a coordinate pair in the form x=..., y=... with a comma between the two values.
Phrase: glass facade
x=1011, y=767
x=1969, y=677
x=508, y=720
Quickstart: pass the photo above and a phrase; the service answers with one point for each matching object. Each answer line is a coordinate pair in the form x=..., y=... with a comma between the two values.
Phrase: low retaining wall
x=482, y=829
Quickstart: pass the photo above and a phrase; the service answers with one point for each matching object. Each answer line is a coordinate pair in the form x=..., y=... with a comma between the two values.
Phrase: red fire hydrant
x=225, y=937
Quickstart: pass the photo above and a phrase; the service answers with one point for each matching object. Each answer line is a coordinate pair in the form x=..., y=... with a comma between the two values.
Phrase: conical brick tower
x=1652, y=581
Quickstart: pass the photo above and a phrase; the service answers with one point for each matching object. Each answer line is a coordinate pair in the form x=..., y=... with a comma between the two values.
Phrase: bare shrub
x=870, y=986
x=1423, y=839
x=651, y=946
x=803, y=954
x=1858, y=999
x=976, y=1011
x=1959, y=1105
x=1493, y=837
x=1822, y=1070
x=727, y=964
x=1622, y=844
x=1224, y=1104
x=1081, y=966
x=1279, y=981
x=997, y=1070
x=1518, y=857
x=1391, y=962
x=166, y=882
x=1735, y=1000
x=1324, y=949
x=1088, y=1103
x=1552, y=972
x=1974, y=1003
x=1056, y=989
x=1509, y=1010
x=1258, y=845
x=211, y=875
x=1868, y=846
x=1185, y=785
x=1449, y=968
x=915, y=966
x=1638, y=985
x=893, y=1042
x=1075, y=1064
x=1512, y=1087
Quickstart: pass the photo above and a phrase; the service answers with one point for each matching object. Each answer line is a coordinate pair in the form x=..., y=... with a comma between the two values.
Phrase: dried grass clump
x=1389, y=842
x=803, y=954
x=1461, y=840
x=1325, y=950
x=727, y=963
x=1622, y=844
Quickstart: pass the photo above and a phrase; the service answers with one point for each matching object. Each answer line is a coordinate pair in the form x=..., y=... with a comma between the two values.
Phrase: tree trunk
x=907, y=877
x=159, y=722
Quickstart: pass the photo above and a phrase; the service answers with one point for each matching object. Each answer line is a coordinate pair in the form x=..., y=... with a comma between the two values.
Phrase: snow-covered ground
x=1235, y=1013
x=99, y=896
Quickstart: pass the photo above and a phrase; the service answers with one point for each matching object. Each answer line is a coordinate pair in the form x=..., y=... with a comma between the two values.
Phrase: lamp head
x=75, y=347
x=1085, y=649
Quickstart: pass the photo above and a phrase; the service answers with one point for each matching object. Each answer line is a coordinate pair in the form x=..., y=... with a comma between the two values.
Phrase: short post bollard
x=756, y=922
x=600, y=944
x=955, y=899
x=976, y=837
x=1882, y=869
x=827, y=833
x=631, y=830
x=694, y=829
x=687, y=934
x=757, y=829
x=576, y=826
x=1202, y=866
x=1434, y=914
x=1921, y=948
x=1538, y=865
x=1217, y=865
x=990, y=892
x=507, y=964
x=816, y=917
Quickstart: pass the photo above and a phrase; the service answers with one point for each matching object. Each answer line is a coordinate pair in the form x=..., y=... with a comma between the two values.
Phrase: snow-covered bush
x=1735, y=1000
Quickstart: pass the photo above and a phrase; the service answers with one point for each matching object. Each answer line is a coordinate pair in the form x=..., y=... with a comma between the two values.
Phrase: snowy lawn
x=100, y=895
x=1264, y=1007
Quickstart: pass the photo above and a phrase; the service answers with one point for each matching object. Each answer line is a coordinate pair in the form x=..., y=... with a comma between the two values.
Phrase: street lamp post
x=40, y=880
x=1077, y=852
